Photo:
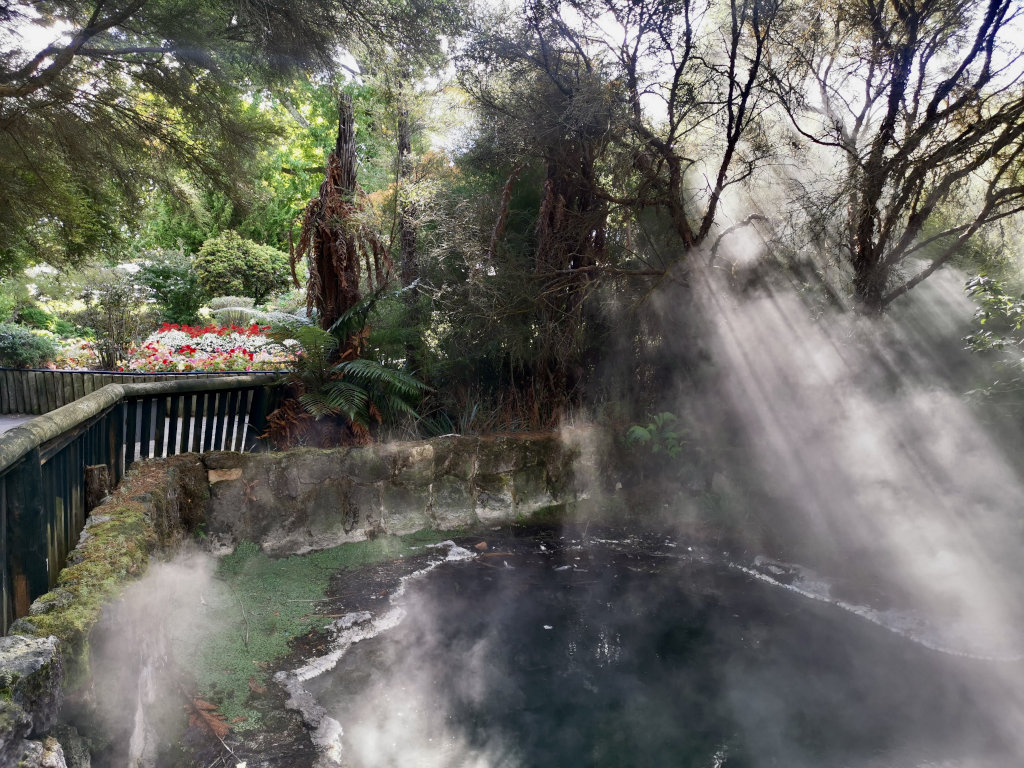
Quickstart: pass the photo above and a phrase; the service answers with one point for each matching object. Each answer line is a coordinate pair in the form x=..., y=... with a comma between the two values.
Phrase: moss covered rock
x=31, y=687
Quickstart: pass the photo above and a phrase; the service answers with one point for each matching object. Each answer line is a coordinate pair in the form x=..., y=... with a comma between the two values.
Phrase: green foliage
x=230, y=265
x=12, y=294
x=64, y=328
x=20, y=348
x=230, y=302
x=36, y=317
x=1001, y=313
x=232, y=310
x=362, y=391
x=661, y=435
x=370, y=391
x=159, y=97
x=285, y=172
x=169, y=275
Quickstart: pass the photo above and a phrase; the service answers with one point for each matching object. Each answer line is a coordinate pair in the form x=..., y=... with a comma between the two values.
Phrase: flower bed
x=75, y=355
x=185, y=348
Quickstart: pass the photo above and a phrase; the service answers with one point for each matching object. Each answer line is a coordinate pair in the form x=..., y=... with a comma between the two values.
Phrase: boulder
x=15, y=725
x=41, y=754
x=31, y=676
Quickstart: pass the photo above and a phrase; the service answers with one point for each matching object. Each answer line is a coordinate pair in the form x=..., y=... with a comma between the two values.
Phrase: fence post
x=257, y=418
x=26, y=533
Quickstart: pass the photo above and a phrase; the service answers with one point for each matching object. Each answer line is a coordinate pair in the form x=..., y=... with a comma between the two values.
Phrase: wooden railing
x=39, y=390
x=43, y=462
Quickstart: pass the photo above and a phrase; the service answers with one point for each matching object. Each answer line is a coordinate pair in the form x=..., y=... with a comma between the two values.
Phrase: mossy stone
x=365, y=465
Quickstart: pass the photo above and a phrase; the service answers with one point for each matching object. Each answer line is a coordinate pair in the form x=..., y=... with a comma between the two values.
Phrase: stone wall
x=307, y=499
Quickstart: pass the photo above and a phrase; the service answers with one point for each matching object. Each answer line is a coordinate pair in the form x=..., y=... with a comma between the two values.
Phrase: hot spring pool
x=549, y=651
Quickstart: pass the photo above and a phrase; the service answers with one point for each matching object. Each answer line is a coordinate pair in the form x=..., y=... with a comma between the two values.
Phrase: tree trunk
x=345, y=147
x=570, y=239
x=329, y=235
x=406, y=209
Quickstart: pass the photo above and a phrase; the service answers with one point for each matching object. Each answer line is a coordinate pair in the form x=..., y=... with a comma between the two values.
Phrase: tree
x=922, y=102
x=334, y=239
x=544, y=98
x=139, y=92
x=118, y=309
x=641, y=115
x=687, y=79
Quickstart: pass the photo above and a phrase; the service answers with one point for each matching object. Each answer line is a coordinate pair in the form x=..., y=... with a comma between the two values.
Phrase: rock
x=23, y=626
x=41, y=754
x=494, y=498
x=310, y=499
x=224, y=475
x=56, y=599
x=76, y=747
x=350, y=620
x=31, y=675
x=15, y=725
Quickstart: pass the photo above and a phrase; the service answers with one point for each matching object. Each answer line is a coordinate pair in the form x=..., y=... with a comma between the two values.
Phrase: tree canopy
x=138, y=94
x=528, y=176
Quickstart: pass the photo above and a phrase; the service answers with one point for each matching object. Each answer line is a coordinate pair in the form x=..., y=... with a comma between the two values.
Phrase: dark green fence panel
x=39, y=391
x=43, y=462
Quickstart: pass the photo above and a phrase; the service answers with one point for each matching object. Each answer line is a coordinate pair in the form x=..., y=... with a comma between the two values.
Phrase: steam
x=873, y=473
x=143, y=655
x=403, y=719
x=879, y=468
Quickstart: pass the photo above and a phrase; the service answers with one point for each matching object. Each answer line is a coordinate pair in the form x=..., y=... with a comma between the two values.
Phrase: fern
x=360, y=390
x=371, y=373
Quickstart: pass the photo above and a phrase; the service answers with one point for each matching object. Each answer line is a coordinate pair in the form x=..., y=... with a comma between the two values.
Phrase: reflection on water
x=634, y=656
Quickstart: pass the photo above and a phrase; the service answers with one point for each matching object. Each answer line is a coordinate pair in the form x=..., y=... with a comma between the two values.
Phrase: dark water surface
x=549, y=652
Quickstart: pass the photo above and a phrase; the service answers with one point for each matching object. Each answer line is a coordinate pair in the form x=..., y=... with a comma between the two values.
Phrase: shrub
x=36, y=317
x=229, y=265
x=7, y=307
x=13, y=293
x=174, y=283
x=119, y=309
x=224, y=302
x=232, y=310
x=64, y=328
x=20, y=348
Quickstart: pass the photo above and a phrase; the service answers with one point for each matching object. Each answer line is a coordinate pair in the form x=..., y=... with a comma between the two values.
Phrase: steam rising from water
x=874, y=470
x=143, y=655
x=879, y=468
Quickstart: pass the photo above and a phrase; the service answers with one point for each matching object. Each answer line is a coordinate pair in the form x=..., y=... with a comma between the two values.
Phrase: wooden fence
x=43, y=462
x=39, y=390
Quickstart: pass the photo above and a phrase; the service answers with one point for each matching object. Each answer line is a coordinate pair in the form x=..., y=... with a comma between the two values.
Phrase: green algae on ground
x=264, y=605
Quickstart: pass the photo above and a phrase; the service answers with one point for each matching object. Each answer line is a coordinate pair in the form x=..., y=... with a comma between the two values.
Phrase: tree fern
x=360, y=390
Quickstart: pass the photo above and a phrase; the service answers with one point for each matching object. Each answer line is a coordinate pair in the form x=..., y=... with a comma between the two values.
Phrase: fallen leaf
x=481, y=546
x=203, y=713
x=256, y=687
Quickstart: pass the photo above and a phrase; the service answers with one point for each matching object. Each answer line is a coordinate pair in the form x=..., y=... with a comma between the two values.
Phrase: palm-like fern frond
x=370, y=373
x=350, y=400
